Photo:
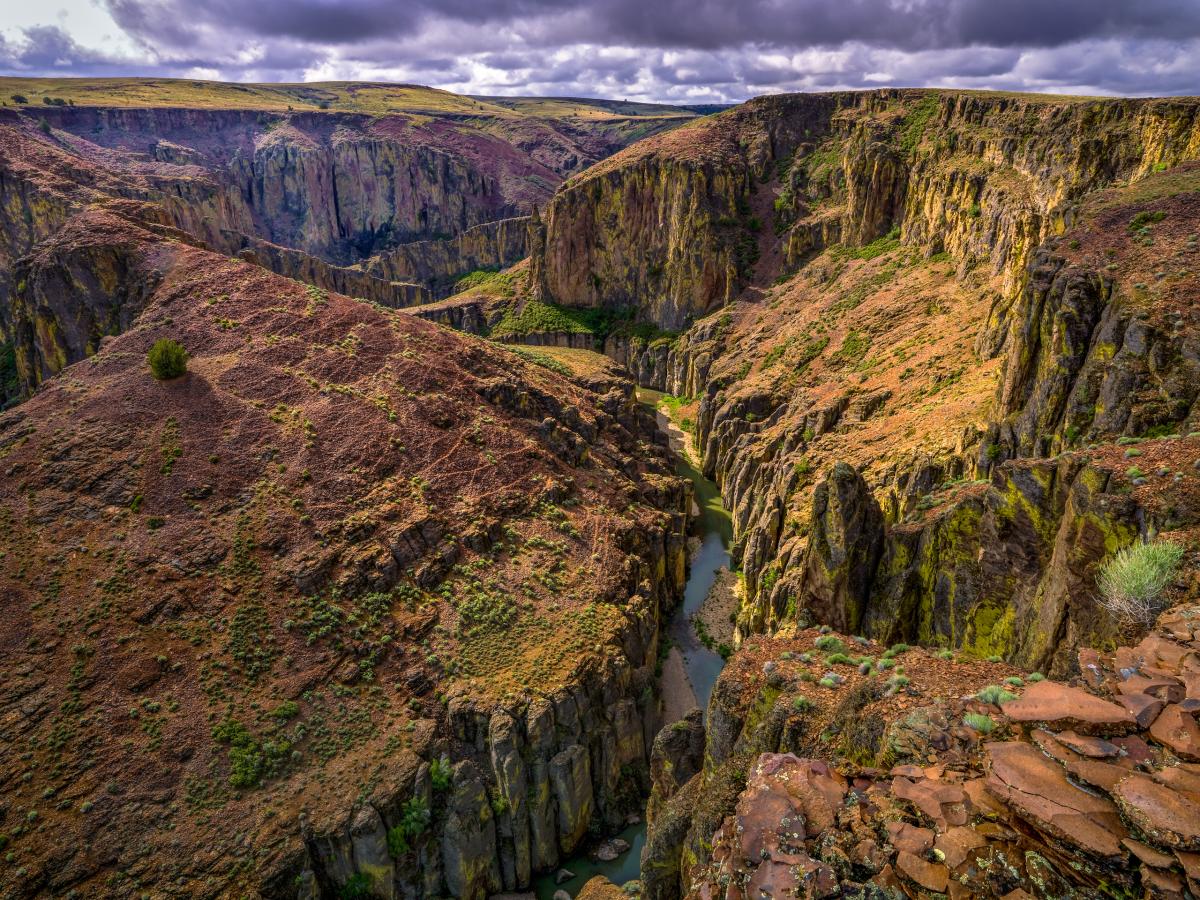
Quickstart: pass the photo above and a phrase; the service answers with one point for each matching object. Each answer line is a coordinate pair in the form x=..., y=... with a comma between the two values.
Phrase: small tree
x=1132, y=582
x=19, y=98
x=167, y=359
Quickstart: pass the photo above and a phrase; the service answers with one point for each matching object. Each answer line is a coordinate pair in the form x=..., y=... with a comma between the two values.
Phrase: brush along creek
x=698, y=627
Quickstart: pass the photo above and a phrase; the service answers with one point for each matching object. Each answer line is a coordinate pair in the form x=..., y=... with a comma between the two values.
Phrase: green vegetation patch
x=534, y=317
x=915, y=123
x=167, y=359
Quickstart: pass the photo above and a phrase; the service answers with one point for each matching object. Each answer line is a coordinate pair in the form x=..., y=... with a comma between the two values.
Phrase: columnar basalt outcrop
x=439, y=264
x=352, y=282
x=665, y=226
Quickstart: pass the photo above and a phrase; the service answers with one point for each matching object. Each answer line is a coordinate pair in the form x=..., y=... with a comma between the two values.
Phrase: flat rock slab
x=1143, y=707
x=1061, y=706
x=944, y=803
x=931, y=876
x=1095, y=747
x=1166, y=815
x=1038, y=790
x=1176, y=728
x=904, y=836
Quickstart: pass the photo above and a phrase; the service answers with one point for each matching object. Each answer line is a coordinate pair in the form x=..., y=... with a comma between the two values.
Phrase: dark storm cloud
x=683, y=50
x=696, y=24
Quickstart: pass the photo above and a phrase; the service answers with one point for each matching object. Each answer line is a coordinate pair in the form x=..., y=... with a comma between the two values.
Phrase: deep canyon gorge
x=741, y=482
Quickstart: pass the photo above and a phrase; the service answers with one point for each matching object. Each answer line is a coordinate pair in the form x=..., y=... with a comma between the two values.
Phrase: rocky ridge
x=924, y=285
x=291, y=607
x=919, y=778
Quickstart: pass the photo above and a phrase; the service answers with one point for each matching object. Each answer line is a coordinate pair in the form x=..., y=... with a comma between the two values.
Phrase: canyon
x=382, y=597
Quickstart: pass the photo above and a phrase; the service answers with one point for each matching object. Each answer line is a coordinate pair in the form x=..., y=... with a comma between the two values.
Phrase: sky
x=681, y=51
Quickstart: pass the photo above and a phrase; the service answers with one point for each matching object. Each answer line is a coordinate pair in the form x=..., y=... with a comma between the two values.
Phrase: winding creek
x=691, y=668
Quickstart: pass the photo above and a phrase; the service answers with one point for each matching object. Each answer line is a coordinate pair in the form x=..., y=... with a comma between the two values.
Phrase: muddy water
x=689, y=676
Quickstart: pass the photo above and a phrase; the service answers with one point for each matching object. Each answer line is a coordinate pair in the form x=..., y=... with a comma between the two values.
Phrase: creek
x=701, y=664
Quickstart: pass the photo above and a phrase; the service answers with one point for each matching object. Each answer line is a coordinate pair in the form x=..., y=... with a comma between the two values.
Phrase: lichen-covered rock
x=469, y=838
x=844, y=547
x=571, y=778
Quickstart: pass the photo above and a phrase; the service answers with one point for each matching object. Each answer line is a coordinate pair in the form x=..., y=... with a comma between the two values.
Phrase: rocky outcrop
x=439, y=264
x=676, y=759
x=844, y=546
x=344, y=280
x=933, y=786
x=666, y=226
x=93, y=280
x=1088, y=362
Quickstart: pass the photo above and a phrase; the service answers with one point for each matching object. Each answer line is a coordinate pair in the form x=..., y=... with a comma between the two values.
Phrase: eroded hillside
x=325, y=564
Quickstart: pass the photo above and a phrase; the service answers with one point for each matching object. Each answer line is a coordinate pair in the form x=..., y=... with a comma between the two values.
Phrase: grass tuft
x=1132, y=582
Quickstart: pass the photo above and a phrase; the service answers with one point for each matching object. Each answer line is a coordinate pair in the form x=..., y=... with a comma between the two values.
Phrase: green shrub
x=995, y=694
x=414, y=820
x=1035, y=676
x=835, y=659
x=167, y=359
x=1132, y=582
x=979, y=722
x=440, y=774
x=802, y=704
x=830, y=644
x=288, y=709
x=1014, y=681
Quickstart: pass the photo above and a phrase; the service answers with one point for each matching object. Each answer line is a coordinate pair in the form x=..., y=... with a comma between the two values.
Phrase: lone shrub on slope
x=167, y=359
x=1132, y=582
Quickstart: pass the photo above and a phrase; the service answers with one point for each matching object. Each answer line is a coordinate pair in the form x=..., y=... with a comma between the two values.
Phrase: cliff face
x=440, y=188
x=930, y=284
x=439, y=264
x=671, y=226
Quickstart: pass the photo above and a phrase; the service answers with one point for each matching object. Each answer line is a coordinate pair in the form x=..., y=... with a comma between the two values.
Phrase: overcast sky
x=672, y=50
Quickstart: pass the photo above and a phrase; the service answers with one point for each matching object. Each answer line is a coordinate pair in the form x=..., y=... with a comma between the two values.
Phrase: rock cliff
x=920, y=285
x=417, y=186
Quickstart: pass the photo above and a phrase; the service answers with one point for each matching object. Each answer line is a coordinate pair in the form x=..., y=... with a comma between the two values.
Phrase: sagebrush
x=167, y=359
x=1132, y=582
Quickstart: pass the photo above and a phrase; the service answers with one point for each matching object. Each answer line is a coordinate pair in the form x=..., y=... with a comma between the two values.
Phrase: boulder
x=844, y=547
x=1166, y=815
